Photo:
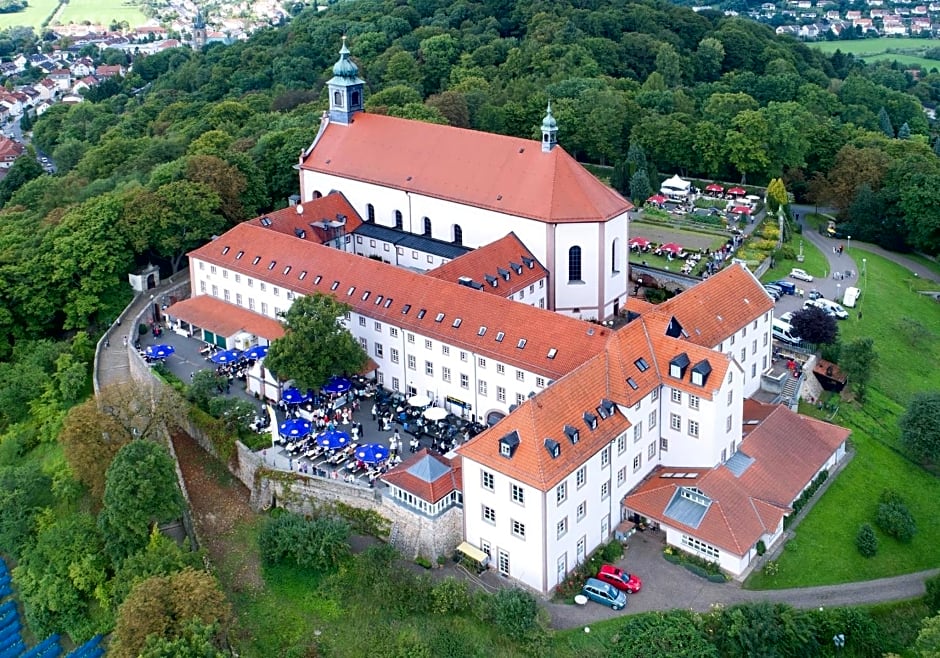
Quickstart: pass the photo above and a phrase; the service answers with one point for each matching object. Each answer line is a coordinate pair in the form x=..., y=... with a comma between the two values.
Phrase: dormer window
x=553, y=447
x=503, y=273
x=529, y=262
x=303, y=275
x=674, y=329
x=700, y=372
x=516, y=267
x=590, y=420
x=608, y=407
x=572, y=433
x=388, y=302
x=678, y=364
x=508, y=444
x=492, y=280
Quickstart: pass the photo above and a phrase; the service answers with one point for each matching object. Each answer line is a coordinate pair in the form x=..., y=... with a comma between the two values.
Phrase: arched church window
x=427, y=227
x=399, y=223
x=615, y=256
x=574, y=264
x=458, y=234
x=338, y=98
x=354, y=99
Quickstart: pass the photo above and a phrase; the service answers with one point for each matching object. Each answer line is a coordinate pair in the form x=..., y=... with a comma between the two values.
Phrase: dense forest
x=190, y=143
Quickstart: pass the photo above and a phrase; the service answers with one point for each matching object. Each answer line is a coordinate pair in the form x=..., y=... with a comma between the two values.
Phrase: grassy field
x=101, y=12
x=35, y=13
x=905, y=51
x=814, y=262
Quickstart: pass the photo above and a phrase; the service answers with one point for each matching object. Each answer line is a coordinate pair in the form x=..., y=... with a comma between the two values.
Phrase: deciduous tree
x=857, y=361
x=814, y=325
x=920, y=427
x=315, y=345
x=140, y=489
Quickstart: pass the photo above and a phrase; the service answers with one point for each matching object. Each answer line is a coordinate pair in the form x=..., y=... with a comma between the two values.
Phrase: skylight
x=287, y=269
x=481, y=331
x=521, y=344
x=225, y=250
x=388, y=302
x=351, y=290
x=551, y=353
x=366, y=294
x=641, y=364
x=256, y=260
x=405, y=309
x=422, y=313
x=335, y=285
x=499, y=336
x=456, y=323
x=239, y=255
x=317, y=280
x=303, y=275
x=439, y=317
x=272, y=264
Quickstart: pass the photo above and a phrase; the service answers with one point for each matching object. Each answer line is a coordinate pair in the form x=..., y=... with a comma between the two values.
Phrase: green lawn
x=35, y=13
x=102, y=12
x=814, y=262
x=905, y=51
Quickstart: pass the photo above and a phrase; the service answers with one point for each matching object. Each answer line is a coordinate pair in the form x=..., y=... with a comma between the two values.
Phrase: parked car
x=774, y=292
x=797, y=273
x=620, y=579
x=783, y=331
x=814, y=294
x=823, y=304
x=786, y=317
x=833, y=308
x=788, y=287
x=602, y=592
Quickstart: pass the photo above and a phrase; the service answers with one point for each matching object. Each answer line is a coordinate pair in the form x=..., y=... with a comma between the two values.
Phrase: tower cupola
x=345, y=88
x=549, y=130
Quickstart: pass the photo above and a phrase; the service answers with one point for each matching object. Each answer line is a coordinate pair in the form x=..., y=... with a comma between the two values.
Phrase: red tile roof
x=225, y=319
x=788, y=450
x=503, y=262
x=428, y=491
x=528, y=333
x=710, y=313
x=10, y=149
x=312, y=217
x=605, y=376
x=504, y=174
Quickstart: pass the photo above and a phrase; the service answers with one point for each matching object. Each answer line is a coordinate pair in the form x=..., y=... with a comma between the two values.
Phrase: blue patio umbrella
x=295, y=427
x=333, y=440
x=294, y=396
x=337, y=385
x=159, y=351
x=257, y=352
x=227, y=356
x=372, y=453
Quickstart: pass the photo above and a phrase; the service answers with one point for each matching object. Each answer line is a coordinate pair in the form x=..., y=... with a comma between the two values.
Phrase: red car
x=619, y=579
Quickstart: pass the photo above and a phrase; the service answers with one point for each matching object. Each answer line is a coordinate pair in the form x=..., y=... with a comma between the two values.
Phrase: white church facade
x=471, y=188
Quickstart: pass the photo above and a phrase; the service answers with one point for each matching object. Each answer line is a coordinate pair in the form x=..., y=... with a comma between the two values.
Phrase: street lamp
x=849, y=242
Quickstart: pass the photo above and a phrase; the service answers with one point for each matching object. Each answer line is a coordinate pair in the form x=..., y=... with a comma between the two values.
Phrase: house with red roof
x=470, y=188
x=10, y=150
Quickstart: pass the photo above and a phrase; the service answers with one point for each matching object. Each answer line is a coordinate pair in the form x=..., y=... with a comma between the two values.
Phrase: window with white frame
x=379, y=350
x=651, y=451
x=754, y=346
x=264, y=308
x=362, y=320
x=621, y=476
x=429, y=368
x=520, y=398
x=481, y=362
x=605, y=457
x=518, y=529
x=428, y=344
x=501, y=393
x=481, y=387
x=445, y=373
x=728, y=424
x=621, y=443
x=655, y=394
x=517, y=494
x=463, y=356
x=676, y=395
x=753, y=370
x=637, y=432
x=520, y=375
x=411, y=338
x=743, y=353
x=215, y=290
x=489, y=514
x=605, y=489
x=445, y=350
x=693, y=428
x=378, y=327
x=582, y=509
x=675, y=422
x=393, y=355
x=730, y=396
x=412, y=362
x=637, y=463
x=365, y=344
x=653, y=417
x=561, y=493
x=464, y=381
x=693, y=401
x=487, y=480
x=393, y=332
x=700, y=547
x=561, y=528
x=663, y=444
x=540, y=382
x=396, y=385
x=501, y=368
x=581, y=476
x=202, y=285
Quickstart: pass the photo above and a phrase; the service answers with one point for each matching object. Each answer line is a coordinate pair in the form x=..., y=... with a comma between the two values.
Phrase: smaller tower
x=199, y=31
x=549, y=130
x=345, y=88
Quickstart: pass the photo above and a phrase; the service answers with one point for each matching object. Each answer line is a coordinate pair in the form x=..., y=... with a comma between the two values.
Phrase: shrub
x=514, y=611
x=771, y=568
x=318, y=544
x=866, y=541
x=894, y=518
x=761, y=547
x=932, y=598
x=450, y=597
x=422, y=561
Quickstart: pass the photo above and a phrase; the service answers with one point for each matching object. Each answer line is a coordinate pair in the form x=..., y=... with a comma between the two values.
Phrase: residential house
x=10, y=150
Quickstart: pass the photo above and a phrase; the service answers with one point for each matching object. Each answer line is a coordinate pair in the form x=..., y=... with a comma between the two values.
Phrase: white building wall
x=734, y=564
x=752, y=347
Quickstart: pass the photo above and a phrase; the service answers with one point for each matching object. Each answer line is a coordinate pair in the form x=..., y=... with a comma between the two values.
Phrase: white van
x=851, y=296
x=783, y=331
x=832, y=308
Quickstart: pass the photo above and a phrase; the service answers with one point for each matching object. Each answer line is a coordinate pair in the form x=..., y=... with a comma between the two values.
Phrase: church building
x=471, y=188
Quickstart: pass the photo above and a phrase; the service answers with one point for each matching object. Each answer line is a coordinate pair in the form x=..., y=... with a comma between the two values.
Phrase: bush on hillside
x=894, y=518
x=865, y=541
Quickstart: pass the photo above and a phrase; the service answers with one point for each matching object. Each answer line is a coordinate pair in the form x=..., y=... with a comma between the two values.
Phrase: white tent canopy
x=675, y=186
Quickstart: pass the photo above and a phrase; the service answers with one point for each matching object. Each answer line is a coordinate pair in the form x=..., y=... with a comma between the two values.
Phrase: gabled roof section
x=427, y=475
x=494, y=172
x=398, y=295
x=318, y=220
x=484, y=264
x=754, y=489
x=225, y=319
x=717, y=308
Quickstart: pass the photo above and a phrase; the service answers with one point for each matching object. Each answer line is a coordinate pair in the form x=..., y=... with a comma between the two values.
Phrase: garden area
x=101, y=12
x=904, y=326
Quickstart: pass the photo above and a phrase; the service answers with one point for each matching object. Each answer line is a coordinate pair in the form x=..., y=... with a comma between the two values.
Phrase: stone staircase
x=791, y=392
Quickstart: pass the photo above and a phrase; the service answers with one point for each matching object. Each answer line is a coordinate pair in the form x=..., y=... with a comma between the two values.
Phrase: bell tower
x=549, y=130
x=345, y=88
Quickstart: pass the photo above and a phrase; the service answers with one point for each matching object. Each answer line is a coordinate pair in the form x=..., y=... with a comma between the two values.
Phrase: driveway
x=668, y=586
